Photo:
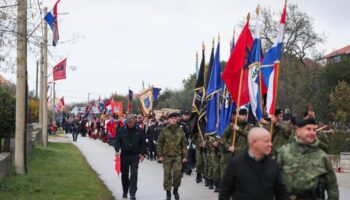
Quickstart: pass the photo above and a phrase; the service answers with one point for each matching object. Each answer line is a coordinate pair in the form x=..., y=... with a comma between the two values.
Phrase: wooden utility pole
x=44, y=97
x=41, y=86
x=21, y=86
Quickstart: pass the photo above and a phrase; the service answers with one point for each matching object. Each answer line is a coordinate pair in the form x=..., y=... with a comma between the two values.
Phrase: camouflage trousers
x=199, y=160
x=224, y=159
x=215, y=162
x=209, y=164
x=172, y=172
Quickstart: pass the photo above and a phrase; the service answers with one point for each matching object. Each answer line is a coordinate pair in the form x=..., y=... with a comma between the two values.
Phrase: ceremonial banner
x=59, y=71
x=51, y=19
x=238, y=61
x=117, y=107
x=270, y=67
x=214, y=89
x=146, y=100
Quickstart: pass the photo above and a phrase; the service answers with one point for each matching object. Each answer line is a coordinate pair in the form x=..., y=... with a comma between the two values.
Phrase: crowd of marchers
x=279, y=158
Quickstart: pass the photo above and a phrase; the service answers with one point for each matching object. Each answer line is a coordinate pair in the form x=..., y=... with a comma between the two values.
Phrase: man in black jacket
x=130, y=140
x=252, y=174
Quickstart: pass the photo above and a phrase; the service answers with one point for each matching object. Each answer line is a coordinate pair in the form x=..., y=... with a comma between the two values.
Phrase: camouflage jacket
x=323, y=141
x=281, y=136
x=304, y=167
x=172, y=142
x=241, y=141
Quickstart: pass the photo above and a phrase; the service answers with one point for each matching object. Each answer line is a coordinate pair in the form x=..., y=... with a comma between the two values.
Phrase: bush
x=7, y=114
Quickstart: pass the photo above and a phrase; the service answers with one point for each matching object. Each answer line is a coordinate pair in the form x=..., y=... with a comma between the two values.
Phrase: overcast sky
x=122, y=42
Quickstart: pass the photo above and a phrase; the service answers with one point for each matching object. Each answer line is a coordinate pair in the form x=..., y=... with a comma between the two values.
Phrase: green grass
x=56, y=172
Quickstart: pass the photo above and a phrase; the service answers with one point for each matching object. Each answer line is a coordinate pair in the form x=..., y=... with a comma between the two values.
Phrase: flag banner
x=226, y=112
x=239, y=61
x=199, y=88
x=95, y=110
x=255, y=58
x=130, y=96
x=59, y=70
x=146, y=100
x=202, y=117
x=270, y=67
x=156, y=92
x=214, y=89
x=101, y=105
x=51, y=20
x=117, y=107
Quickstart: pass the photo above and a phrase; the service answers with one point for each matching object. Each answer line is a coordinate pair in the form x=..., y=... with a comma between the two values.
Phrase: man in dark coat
x=130, y=140
x=252, y=174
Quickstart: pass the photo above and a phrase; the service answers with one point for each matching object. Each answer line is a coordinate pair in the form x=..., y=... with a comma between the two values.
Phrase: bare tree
x=300, y=38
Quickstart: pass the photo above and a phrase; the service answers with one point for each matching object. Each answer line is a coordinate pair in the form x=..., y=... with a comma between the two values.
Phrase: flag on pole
x=199, y=88
x=226, y=112
x=202, y=120
x=130, y=95
x=254, y=70
x=214, y=89
x=238, y=61
x=59, y=70
x=51, y=19
x=156, y=92
x=270, y=67
x=146, y=100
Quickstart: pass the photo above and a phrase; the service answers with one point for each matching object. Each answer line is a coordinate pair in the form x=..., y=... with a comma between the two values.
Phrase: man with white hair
x=253, y=174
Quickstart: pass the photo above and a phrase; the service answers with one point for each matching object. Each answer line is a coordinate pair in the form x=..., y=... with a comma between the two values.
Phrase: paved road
x=101, y=157
x=150, y=181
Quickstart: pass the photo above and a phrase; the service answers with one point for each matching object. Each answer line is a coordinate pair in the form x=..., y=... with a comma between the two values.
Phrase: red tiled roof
x=343, y=50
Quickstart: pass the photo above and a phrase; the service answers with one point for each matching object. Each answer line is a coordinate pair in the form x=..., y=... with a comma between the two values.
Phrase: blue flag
x=214, y=88
x=156, y=92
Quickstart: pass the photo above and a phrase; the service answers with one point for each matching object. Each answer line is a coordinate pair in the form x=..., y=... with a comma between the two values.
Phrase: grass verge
x=58, y=171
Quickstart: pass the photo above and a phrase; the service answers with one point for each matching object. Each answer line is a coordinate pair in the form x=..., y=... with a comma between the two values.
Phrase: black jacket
x=131, y=141
x=247, y=179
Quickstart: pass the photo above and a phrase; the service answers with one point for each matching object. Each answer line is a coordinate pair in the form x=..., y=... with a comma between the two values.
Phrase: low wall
x=5, y=164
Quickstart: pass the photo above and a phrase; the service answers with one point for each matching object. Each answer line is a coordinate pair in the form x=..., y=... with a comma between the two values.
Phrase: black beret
x=185, y=112
x=287, y=117
x=305, y=122
x=174, y=114
x=243, y=111
x=278, y=111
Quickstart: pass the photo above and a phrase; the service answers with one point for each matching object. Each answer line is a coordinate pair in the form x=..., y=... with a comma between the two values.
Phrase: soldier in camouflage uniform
x=208, y=167
x=214, y=162
x=306, y=169
x=172, y=151
x=321, y=136
x=197, y=141
x=281, y=133
x=241, y=143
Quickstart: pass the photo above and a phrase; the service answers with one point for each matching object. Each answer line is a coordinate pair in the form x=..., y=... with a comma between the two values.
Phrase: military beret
x=185, y=112
x=174, y=114
x=305, y=122
x=287, y=117
x=278, y=111
x=243, y=111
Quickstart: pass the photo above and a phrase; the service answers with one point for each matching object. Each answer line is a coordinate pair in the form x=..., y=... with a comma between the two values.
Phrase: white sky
x=123, y=42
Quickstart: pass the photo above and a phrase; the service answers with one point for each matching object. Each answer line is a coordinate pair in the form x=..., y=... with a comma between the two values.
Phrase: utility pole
x=41, y=85
x=89, y=98
x=44, y=97
x=21, y=86
x=36, y=81
x=53, y=102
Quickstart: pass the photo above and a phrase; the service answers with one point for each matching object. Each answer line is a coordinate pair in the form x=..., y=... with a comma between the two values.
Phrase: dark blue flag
x=214, y=88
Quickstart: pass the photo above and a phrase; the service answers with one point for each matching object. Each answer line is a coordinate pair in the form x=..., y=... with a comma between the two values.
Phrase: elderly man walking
x=252, y=174
x=130, y=140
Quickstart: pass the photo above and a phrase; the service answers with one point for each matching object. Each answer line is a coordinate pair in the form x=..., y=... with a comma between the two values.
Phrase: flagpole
x=260, y=75
x=239, y=99
x=275, y=92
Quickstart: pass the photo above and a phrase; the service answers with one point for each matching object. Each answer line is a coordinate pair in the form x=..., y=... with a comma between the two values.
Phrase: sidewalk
x=150, y=177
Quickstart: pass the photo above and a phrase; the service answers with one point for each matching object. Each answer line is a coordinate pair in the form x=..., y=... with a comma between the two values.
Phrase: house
x=338, y=55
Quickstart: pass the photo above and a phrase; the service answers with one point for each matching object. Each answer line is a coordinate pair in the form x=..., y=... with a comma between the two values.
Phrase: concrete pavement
x=150, y=177
x=150, y=180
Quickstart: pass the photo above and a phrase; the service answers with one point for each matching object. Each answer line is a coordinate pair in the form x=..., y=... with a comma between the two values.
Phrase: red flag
x=62, y=101
x=59, y=71
x=117, y=164
x=237, y=61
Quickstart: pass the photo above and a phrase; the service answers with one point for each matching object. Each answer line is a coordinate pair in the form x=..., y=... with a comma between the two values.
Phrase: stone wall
x=5, y=164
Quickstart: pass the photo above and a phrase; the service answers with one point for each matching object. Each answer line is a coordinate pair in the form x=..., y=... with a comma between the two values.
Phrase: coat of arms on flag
x=146, y=100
